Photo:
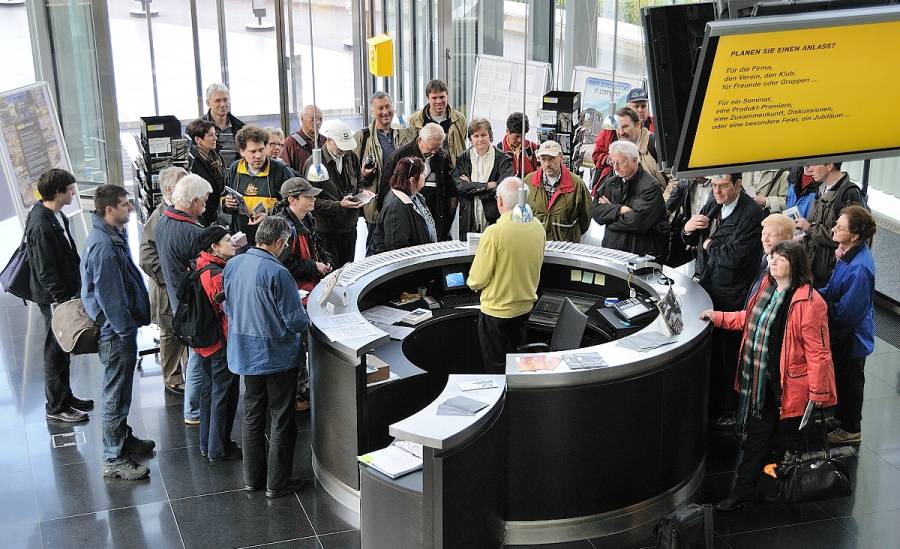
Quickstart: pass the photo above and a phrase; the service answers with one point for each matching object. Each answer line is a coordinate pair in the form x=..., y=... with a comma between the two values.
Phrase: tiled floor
x=52, y=493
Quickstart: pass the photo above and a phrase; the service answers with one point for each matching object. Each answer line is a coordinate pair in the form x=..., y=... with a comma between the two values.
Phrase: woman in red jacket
x=785, y=362
x=219, y=390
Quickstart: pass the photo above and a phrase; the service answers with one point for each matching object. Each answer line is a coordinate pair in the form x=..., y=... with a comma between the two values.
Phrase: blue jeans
x=193, y=380
x=218, y=404
x=119, y=358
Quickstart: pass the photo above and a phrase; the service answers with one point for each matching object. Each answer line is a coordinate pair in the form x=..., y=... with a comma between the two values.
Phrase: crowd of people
x=793, y=297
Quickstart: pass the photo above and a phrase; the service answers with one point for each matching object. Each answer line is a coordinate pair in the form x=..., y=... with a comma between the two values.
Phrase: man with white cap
x=559, y=199
x=337, y=211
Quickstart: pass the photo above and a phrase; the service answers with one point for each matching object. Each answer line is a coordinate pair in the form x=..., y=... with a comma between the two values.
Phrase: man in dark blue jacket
x=265, y=320
x=112, y=289
x=53, y=259
x=726, y=237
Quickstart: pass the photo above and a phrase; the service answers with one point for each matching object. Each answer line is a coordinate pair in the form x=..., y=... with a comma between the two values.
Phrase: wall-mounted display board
x=498, y=91
x=594, y=86
x=774, y=92
x=31, y=142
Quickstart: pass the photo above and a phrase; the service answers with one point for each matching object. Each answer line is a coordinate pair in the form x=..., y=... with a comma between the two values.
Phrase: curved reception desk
x=555, y=455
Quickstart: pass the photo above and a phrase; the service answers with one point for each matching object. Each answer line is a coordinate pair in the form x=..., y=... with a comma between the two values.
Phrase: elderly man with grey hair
x=218, y=101
x=172, y=354
x=506, y=270
x=439, y=192
x=265, y=324
x=299, y=145
x=177, y=237
x=629, y=203
x=375, y=145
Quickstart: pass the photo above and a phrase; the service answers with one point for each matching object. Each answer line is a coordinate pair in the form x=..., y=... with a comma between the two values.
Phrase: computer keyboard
x=460, y=300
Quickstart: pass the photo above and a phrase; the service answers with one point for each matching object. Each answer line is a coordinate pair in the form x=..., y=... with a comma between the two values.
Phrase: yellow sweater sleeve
x=482, y=269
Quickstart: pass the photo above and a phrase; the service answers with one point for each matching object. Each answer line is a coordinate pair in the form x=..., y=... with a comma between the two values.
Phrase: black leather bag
x=16, y=276
x=688, y=527
x=818, y=478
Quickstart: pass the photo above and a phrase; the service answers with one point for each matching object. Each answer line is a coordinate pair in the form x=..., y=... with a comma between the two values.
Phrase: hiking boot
x=125, y=469
x=135, y=446
x=82, y=404
x=840, y=436
x=191, y=421
x=68, y=416
x=233, y=452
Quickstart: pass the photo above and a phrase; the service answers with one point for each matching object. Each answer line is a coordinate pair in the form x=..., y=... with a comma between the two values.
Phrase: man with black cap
x=638, y=100
x=218, y=387
x=305, y=257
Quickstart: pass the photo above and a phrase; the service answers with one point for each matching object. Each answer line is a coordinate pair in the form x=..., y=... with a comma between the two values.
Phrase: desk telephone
x=634, y=309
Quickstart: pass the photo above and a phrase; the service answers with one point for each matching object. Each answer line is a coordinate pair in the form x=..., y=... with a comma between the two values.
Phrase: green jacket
x=456, y=135
x=567, y=214
x=367, y=143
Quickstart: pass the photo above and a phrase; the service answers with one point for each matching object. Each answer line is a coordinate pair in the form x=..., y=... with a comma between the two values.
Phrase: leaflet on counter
x=396, y=460
x=347, y=326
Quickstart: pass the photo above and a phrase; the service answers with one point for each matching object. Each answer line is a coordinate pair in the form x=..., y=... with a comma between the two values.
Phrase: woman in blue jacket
x=850, y=294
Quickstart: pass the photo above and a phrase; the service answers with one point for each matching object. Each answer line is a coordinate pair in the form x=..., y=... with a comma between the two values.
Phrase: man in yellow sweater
x=507, y=269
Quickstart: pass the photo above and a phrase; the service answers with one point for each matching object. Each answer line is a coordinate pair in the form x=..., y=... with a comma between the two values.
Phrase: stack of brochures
x=460, y=406
x=584, y=361
x=398, y=459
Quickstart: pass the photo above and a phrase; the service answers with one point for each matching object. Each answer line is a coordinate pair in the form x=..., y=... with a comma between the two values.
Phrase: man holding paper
x=338, y=207
x=506, y=269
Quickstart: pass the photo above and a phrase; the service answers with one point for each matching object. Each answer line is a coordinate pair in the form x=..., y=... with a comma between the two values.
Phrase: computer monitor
x=454, y=279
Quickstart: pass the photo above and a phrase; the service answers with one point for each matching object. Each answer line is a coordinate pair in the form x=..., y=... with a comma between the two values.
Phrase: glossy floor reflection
x=52, y=494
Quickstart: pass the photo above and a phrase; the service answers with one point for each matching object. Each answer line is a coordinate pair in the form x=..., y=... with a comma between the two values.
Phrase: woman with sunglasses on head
x=785, y=362
x=850, y=294
x=404, y=219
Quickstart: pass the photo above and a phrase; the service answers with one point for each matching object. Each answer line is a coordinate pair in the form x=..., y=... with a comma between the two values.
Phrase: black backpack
x=196, y=323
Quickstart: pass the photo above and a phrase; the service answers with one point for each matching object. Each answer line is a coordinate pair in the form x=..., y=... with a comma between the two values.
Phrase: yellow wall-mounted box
x=381, y=55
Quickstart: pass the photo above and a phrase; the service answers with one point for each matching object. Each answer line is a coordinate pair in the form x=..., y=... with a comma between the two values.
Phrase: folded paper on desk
x=460, y=406
x=398, y=333
x=347, y=326
x=645, y=341
x=537, y=362
x=395, y=460
x=383, y=314
x=477, y=384
x=584, y=361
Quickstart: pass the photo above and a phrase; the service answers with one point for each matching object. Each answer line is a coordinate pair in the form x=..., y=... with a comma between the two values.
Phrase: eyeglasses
x=621, y=162
x=842, y=229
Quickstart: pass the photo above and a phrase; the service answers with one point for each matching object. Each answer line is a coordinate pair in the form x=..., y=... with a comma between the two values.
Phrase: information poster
x=498, y=91
x=31, y=142
x=812, y=92
x=595, y=86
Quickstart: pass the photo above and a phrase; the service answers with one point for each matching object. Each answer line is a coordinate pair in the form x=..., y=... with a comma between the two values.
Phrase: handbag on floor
x=812, y=476
x=688, y=527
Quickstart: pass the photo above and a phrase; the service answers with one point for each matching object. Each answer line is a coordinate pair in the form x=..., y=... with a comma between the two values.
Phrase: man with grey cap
x=559, y=199
x=338, y=209
x=305, y=257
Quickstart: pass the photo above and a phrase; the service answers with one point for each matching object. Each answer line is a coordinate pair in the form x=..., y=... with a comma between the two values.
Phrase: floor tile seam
x=274, y=542
x=844, y=528
x=309, y=520
x=793, y=524
x=209, y=494
x=76, y=515
x=162, y=479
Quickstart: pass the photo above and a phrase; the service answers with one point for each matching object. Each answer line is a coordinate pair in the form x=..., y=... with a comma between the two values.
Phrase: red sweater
x=211, y=281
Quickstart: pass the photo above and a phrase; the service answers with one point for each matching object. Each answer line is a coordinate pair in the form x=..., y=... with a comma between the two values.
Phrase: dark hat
x=297, y=186
x=211, y=235
x=637, y=94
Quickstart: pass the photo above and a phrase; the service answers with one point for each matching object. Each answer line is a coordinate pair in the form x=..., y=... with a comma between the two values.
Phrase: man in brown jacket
x=172, y=354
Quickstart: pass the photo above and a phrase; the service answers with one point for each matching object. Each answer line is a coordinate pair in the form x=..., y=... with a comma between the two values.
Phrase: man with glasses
x=630, y=204
x=726, y=234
